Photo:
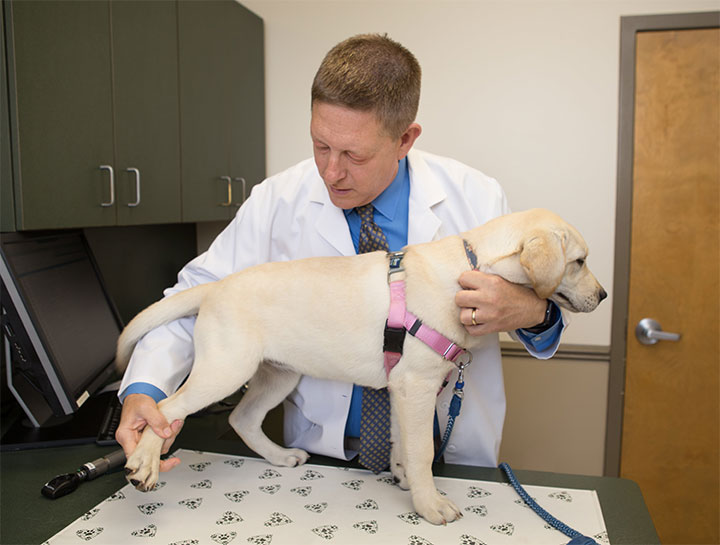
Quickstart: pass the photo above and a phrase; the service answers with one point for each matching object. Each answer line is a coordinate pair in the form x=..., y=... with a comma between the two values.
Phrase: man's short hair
x=371, y=72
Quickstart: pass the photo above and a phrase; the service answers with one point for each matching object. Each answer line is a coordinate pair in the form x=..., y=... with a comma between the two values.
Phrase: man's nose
x=334, y=169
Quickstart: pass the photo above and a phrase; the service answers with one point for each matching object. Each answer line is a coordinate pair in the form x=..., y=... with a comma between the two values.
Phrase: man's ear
x=407, y=139
x=543, y=258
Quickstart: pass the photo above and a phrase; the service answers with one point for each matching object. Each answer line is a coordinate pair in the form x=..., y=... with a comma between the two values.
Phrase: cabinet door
x=147, y=133
x=62, y=123
x=247, y=104
x=206, y=58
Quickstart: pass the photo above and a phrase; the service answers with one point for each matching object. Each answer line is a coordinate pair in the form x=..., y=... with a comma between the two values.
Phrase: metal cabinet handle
x=244, y=188
x=648, y=331
x=112, y=185
x=137, y=186
x=229, y=191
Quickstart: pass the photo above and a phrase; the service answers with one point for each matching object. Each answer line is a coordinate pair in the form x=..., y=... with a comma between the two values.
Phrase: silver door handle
x=112, y=185
x=244, y=187
x=229, y=191
x=648, y=331
x=137, y=186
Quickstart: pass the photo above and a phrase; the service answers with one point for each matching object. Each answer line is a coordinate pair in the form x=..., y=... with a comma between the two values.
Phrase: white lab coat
x=290, y=216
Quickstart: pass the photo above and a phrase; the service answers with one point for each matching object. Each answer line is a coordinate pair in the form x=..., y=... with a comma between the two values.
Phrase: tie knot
x=366, y=212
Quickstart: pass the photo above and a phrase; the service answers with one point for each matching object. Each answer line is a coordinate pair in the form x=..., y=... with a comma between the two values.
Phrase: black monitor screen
x=60, y=303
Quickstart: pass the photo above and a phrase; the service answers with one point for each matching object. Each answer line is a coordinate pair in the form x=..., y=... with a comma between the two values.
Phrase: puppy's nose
x=602, y=294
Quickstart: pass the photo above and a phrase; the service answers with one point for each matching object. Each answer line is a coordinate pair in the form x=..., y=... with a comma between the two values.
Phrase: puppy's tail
x=179, y=305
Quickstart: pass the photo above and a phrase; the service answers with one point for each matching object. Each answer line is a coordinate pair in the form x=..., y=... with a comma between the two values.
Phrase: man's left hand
x=499, y=305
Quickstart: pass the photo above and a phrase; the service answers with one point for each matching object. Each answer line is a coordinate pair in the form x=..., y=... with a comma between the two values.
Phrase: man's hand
x=499, y=305
x=140, y=410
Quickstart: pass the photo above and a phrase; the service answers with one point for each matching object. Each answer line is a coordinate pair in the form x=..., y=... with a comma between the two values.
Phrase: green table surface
x=27, y=517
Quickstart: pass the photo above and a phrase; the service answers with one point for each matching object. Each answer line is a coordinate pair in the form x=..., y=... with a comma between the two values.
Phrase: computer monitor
x=59, y=325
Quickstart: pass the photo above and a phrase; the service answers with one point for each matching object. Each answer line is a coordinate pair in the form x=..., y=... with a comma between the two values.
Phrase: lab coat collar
x=423, y=224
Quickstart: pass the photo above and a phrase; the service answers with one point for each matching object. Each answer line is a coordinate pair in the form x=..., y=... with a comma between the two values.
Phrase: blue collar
x=388, y=201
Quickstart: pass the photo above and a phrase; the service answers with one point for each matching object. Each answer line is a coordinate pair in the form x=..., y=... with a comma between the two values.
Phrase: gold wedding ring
x=473, y=317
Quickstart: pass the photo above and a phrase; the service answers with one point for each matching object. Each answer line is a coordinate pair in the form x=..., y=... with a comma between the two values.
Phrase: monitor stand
x=79, y=428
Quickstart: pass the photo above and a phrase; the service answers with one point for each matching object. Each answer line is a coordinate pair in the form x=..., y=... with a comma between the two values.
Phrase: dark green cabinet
x=132, y=112
x=95, y=118
x=221, y=106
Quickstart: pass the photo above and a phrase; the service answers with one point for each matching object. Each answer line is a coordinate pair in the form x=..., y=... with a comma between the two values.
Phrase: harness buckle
x=393, y=339
x=395, y=263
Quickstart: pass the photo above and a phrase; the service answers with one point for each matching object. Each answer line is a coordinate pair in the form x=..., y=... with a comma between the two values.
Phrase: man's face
x=356, y=158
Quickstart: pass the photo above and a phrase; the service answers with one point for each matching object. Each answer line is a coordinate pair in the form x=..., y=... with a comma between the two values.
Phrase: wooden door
x=62, y=122
x=147, y=126
x=671, y=410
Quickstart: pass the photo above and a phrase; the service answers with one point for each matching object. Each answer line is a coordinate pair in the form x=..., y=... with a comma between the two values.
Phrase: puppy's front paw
x=435, y=508
x=399, y=476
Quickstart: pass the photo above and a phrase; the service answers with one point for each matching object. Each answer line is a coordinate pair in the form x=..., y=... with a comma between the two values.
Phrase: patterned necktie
x=375, y=413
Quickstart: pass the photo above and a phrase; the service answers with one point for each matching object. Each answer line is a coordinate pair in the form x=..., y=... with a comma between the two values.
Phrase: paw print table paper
x=218, y=499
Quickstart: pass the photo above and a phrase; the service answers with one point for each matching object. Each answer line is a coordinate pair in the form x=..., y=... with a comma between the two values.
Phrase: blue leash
x=576, y=537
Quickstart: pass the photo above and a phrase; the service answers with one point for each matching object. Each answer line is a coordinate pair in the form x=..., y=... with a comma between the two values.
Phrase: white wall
x=524, y=90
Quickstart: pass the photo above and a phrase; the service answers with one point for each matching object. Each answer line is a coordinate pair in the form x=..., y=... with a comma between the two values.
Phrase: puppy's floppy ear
x=543, y=258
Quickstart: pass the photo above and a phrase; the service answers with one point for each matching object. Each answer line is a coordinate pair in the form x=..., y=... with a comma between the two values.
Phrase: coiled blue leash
x=453, y=411
x=576, y=537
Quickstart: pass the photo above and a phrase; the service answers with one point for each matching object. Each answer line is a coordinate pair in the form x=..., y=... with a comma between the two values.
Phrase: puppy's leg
x=398, y=455
x=224, y=361
x=267, y=389
x=414, y=396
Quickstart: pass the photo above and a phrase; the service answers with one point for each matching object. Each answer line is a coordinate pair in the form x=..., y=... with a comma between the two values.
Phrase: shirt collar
x=387, y=202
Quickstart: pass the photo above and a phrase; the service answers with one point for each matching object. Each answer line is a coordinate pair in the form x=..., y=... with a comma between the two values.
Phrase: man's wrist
x=549, y=319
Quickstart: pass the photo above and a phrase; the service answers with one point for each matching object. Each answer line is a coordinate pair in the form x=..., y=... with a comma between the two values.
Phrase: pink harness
x=401, y=320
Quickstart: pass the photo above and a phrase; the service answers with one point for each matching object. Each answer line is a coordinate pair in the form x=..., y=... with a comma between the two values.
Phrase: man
x=364, y=101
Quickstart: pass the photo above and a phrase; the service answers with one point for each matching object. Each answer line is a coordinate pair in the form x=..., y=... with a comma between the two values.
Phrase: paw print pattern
x=272, y=489
x=270, y=474
x=302, y=490
x=116, y=497
x=229, y=517
x=477, y=492
x=386, y=480
x=149, y=531
x=411, y=517
x=186, y=542
x=201, y=466
x=277, y=519
x=506, y=528
x=316, y=507
x=479, y=510
x=326, y=532
x=368, y=505
x=237, y=495
x=562, y=496
x=224, y=538
x=191, y=503
x=202, y=484
x=158, y=486
x=90, y=514
x=602, y=536
x=311, y=475
x=467, y=539
x=260, y=540
x=368, y=526
x=87, y=534
x=149, y=508
x=417, y=540
x=355, y=484
x=235, y=463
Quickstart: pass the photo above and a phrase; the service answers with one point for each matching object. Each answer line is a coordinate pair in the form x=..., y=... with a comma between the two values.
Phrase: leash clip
x=463, y=359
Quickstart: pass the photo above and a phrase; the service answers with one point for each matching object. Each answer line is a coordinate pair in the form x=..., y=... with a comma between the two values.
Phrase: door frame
x=629, y=27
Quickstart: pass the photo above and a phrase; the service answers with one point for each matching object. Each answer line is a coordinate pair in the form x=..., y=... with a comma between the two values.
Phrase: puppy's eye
x=580, y=261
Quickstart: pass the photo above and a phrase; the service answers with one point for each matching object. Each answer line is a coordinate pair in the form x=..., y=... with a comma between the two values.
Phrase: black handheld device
x=63, y=485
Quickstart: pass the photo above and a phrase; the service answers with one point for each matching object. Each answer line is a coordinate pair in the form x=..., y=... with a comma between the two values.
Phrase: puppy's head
x=553, y=256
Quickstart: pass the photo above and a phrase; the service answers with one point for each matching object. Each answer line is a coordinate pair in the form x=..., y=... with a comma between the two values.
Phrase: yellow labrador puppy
x=333, y=316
